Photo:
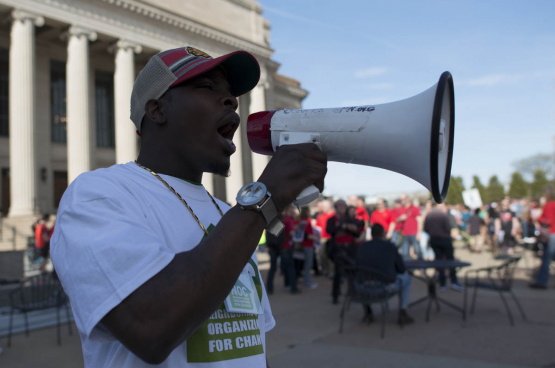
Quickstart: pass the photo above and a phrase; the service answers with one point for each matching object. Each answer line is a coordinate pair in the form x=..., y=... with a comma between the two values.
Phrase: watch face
x=251, y=193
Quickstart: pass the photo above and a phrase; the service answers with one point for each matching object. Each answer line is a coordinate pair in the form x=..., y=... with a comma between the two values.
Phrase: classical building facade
x=67, y=69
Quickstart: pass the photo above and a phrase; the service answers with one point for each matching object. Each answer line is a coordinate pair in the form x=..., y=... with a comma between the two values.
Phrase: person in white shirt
x=157, y=270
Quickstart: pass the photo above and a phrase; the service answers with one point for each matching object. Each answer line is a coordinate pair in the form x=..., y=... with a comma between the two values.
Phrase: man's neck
x=169, y=167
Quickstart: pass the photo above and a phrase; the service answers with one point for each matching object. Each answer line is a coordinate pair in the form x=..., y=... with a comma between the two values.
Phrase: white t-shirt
x=118, y=227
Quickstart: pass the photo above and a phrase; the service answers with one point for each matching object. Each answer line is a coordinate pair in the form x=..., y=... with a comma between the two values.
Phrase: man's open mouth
x=227, y=130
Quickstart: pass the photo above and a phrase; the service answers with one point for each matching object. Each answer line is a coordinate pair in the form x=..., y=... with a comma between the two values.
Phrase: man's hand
x=292, y=169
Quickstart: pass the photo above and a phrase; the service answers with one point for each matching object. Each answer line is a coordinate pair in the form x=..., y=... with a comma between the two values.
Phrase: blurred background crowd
x=314, y=235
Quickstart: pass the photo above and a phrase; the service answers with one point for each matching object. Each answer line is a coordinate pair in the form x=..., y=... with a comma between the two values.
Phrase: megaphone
x=413, y=137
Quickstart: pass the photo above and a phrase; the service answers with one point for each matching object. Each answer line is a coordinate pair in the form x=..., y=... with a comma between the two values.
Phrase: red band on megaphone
x=258, y=132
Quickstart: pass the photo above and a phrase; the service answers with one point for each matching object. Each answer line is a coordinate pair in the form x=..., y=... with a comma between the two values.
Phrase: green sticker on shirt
x=227, y=335
x=243, y=297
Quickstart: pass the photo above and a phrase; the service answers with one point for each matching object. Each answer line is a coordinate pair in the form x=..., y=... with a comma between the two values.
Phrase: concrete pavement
x=306, y=334
x=307, y=329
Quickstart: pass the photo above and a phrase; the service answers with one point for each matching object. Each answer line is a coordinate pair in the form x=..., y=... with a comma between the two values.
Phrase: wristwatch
x=254, y=196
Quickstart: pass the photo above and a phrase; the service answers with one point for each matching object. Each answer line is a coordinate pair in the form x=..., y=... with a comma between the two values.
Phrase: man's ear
x=156, y=110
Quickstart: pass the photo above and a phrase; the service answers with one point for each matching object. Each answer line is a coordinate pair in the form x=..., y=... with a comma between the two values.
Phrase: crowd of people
x=315, y=240
x=314, y=236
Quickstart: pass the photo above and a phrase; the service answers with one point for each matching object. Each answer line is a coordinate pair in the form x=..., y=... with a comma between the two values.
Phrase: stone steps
x=7, y=245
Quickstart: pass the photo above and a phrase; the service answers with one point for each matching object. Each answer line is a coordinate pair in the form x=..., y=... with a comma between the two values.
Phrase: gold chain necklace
x=181, y=199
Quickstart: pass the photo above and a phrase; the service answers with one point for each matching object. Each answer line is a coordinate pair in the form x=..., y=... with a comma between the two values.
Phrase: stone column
x=124, y=77
x=235, y=181
x=246, y=153
x=22, y=112
x=258, y=103
x=78, y=105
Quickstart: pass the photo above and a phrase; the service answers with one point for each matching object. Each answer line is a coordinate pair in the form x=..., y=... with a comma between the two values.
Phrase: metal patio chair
x=37, y=293
x=368, y=286
x=498, y=279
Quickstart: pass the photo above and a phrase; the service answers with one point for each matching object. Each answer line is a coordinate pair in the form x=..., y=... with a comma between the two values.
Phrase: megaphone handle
x=307, y=195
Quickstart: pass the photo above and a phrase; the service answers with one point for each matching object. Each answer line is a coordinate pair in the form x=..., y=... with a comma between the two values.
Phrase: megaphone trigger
x=311, y=193
x=298, y=138
x=307, y=195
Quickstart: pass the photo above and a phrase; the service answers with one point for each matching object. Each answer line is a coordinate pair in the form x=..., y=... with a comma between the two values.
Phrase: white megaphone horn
x=413, y=137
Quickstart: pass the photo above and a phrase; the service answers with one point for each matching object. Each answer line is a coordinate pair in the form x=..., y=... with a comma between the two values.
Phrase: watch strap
x=268, y=209
x=275, y=227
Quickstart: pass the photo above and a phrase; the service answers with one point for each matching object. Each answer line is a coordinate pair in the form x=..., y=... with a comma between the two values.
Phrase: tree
x=478, y=185
x=539, y=183
x=454, y=194
x=495, y=190
x=519, y=187
x=529, y=165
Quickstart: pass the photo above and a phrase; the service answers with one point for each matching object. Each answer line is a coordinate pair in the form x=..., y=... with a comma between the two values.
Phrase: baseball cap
x=173, y=67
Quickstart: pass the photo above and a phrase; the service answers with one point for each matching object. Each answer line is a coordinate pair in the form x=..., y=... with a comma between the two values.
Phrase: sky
x=355, y=52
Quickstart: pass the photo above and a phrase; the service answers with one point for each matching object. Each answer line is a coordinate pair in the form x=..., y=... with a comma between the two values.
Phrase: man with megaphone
x=157, y=270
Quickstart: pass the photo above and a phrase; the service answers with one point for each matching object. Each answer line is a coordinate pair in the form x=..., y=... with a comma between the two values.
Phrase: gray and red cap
x=173, y=67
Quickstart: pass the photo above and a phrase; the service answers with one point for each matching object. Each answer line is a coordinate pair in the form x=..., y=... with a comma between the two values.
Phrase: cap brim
x=243, y=71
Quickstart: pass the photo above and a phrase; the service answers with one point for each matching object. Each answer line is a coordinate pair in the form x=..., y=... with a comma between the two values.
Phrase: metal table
x=432, y=296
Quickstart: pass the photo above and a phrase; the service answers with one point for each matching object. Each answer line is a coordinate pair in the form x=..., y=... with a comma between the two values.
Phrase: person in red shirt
x=344, y=231
x=318, y=209
x=352, y=214
x=361, y=213
x=287, y=261
x=305, y=227
x=410, y=228
x=548, y=218
x=382, y=215
x=321, y=222
x=42, y=240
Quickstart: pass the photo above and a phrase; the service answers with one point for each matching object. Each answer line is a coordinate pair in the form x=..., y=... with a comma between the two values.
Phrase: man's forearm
x=168, y=308
x=391, y=230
